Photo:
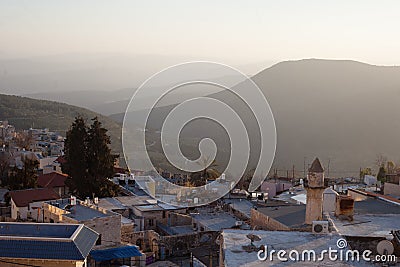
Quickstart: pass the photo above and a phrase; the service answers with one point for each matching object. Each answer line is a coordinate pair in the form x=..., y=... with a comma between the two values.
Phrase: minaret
x=315, y=188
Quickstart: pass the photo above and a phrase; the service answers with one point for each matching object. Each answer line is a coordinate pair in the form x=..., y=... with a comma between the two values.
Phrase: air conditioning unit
x=320, y=227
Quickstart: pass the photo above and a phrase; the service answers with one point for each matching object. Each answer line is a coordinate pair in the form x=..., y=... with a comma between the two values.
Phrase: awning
x=115, y=253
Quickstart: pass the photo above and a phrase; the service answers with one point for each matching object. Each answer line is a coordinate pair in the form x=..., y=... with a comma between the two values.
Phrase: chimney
x=344, y=207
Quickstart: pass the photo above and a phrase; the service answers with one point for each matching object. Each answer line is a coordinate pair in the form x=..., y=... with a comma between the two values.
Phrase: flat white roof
x=368, y=225
x=235, y=255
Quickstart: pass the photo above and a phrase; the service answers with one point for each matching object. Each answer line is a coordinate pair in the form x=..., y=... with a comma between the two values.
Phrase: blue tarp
x=115, y=253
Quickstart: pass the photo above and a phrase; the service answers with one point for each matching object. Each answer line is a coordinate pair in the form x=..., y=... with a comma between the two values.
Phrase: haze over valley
x=342, y=110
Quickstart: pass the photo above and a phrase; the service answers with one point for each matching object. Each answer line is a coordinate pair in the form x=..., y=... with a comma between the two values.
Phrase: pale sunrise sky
x=249, y=31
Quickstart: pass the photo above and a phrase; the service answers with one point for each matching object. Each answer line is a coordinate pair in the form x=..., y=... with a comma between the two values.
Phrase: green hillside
x=23, y=113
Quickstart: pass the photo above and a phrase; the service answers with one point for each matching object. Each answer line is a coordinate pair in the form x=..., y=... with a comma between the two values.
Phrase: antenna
x=385, y=247
x=329, y=163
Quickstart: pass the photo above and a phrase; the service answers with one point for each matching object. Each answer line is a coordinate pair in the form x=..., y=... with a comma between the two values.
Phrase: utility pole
x=211, y=257
x=293, y=175
x=329, y=163
x=304, y=176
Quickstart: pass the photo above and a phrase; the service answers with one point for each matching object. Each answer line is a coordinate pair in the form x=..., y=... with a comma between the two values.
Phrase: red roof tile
x=53, y=179
x=22, y=198
x=372, y=194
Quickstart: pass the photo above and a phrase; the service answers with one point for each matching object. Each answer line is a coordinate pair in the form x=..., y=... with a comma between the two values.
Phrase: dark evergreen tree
x=100, y=160
x=89, y=160
x=75, y=156
x=5, y=158
x=24, y=178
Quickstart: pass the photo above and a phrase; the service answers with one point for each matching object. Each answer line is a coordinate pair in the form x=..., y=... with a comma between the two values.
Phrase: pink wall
x=273, y=188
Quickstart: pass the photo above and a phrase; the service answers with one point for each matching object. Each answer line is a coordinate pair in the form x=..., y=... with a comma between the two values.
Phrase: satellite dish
x=385, y=247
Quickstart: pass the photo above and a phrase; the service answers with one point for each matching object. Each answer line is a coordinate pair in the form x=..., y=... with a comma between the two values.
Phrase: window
x=98, y=242
x=151, y=222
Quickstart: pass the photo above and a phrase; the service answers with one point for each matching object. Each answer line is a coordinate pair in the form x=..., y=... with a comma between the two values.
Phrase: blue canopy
x=115, y=253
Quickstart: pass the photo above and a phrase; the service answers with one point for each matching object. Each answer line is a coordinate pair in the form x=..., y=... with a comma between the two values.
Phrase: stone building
x=106, y=223
x=26, y=204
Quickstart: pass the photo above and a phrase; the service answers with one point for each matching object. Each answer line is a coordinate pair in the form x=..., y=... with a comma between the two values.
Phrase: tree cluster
x=89, y=161
x=23, y=178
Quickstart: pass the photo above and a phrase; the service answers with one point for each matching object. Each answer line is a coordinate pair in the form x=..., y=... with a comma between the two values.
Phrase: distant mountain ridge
x=345, y=112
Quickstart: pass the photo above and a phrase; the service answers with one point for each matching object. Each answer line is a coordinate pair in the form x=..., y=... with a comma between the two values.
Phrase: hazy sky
x=248, y=31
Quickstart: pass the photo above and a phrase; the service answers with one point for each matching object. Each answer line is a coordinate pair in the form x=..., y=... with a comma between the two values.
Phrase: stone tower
x=315, y=187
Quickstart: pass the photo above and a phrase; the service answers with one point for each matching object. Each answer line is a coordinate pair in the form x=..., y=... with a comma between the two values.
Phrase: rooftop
x=369, y=193
x=53, y=179
x=375, y=206
x=242, y=205
x=111, y=203
x=235, y=240
x=149, y=207
x=215, y=221
x=289, y=215
x=46, y=241
x=295, y=196
x=22, y=198
x=135, y=200
x=371, y=225
x=80, y=211
x=373, y=217
x=38, y=230
x=115, y=253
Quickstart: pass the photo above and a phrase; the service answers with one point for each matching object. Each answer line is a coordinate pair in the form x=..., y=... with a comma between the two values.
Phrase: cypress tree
x=89, y=160
x=100, y=160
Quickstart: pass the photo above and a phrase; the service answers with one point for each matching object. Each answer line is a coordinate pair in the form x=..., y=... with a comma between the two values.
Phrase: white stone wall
x=329, y=201
x=23, y=212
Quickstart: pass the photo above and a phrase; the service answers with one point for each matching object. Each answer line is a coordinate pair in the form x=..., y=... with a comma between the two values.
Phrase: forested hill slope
x=23, y=113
